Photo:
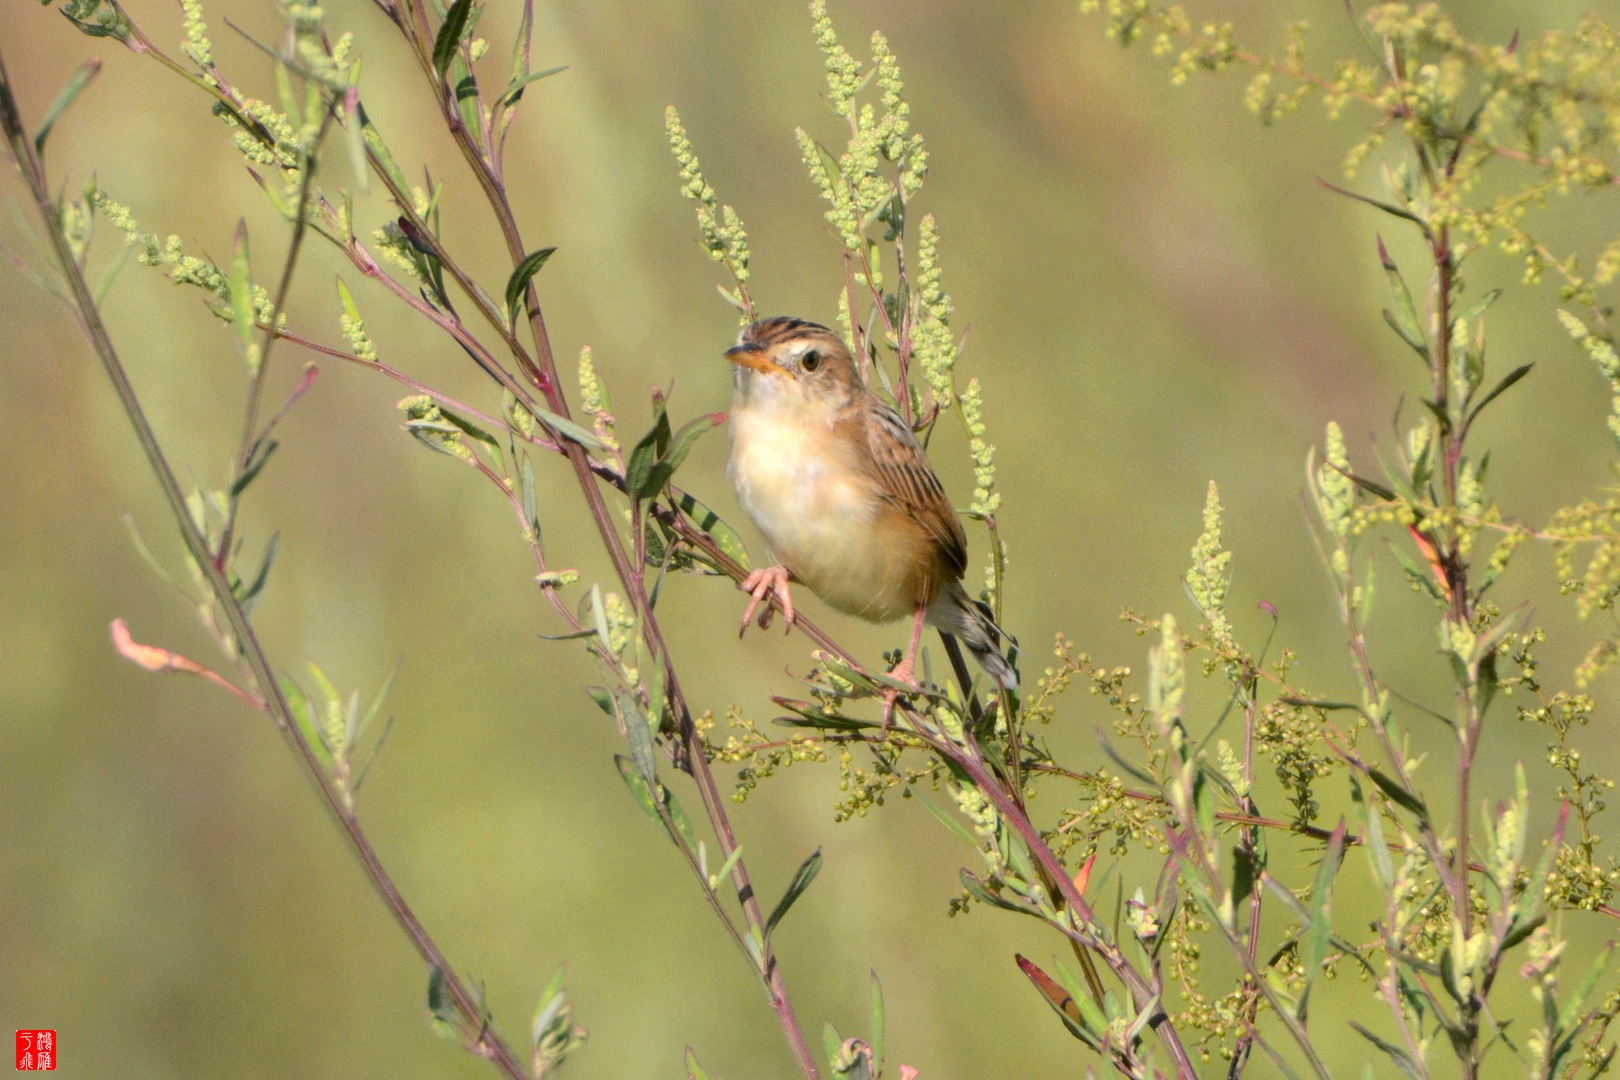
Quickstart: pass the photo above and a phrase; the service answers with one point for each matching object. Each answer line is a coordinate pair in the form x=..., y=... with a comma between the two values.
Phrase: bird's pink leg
x=761, y=585
x=906, y=670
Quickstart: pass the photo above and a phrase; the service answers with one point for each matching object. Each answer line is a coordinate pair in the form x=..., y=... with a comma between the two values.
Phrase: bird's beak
x=751, y=356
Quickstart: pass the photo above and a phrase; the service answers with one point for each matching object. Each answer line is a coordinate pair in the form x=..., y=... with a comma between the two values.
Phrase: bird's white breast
x=804, y=490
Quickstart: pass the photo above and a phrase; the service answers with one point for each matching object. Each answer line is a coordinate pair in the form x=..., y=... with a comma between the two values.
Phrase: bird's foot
x=761, y=585
x=903, y=672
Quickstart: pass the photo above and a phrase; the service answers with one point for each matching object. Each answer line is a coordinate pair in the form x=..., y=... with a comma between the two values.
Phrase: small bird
x=844, y=494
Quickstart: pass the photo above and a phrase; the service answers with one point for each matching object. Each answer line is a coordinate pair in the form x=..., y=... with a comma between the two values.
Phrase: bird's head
x=790, y=363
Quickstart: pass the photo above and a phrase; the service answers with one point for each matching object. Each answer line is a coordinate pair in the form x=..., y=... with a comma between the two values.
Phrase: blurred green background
x=1159, y=294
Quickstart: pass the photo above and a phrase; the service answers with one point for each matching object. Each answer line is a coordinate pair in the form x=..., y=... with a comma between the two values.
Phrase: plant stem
x=489, y=1043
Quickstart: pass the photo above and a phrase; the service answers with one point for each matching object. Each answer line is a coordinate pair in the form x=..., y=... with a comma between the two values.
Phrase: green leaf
x=241, y=295
x=346, y=298
x=1416, y=574
x=725, y=538
x=1246, y=868
x=1518, y=931
x=652, y=478
x=248, y=594
x=603, y=699
x=642, y=458
x=639, y=735
x=660, y=421
x=877, y=1021
x=118, y=28
x=528, y=498
x=467, y=103
x=519, y=281
x=984, y=894
x=550, y=1003
x=1507, y=380
x=1477, y=308
x=380, y=151
x=304, y=717
x=470, y=429
x=105, y=282
x=588, y=632
x=638, y=787
x=257, y=456
x=364, y=722
x=599, y=618
x=1320, y=926
x=81, y=78
x=440, y=1003
x=449, y=37
x=1373, y=839
x=946, y=818
x=694, y=1071
x=565, y=427
x=1388, y=208
x=683, y=824
x=1397, y=794
x=801, y=881
x=1400, y=1058
x=354, y=141
x=514, y=89
x=1599, y=967
x=816, y=720
x=1404, y=318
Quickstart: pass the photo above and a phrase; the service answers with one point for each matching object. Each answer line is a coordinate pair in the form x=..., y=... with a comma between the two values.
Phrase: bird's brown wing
x=906, y=481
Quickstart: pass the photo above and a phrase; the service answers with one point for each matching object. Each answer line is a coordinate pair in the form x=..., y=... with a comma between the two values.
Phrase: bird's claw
x=761, y=585
x=903, y=672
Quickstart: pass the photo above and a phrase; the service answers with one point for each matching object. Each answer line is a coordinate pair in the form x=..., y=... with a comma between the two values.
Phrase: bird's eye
x=810, y=361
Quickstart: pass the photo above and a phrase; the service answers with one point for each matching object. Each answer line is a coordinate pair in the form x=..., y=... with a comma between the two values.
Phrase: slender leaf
x=588, y=632
x=1320, y=927
x=565, y=427
x=638, y=787
x=680, y=444
x=1477, y=308
x=449, y=38
x=1415, y=344
x=694, y=1071
x=820, y=721
x=304, y=717
x=1388, y=208
x=257, y=456
x=677, y=816
x=639, y=735
x=519, y=280
x=642, y=459
x=946, y=818
x=983, y=893
x=514, y=89
x=801, y=881
x=877, y=1021
x=82, y=76
x=252, y=591
x=379, y=150
x=1400, y=1058
x=241, y=294
x=529, y=500
x=1577, y=1000
x=1507, y=380
x=550, y=1003
x=724, y=536
x=1058, y=997
x=1399, y=795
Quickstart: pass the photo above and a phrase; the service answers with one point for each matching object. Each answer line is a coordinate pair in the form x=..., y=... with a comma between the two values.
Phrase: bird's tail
x=971, y=623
